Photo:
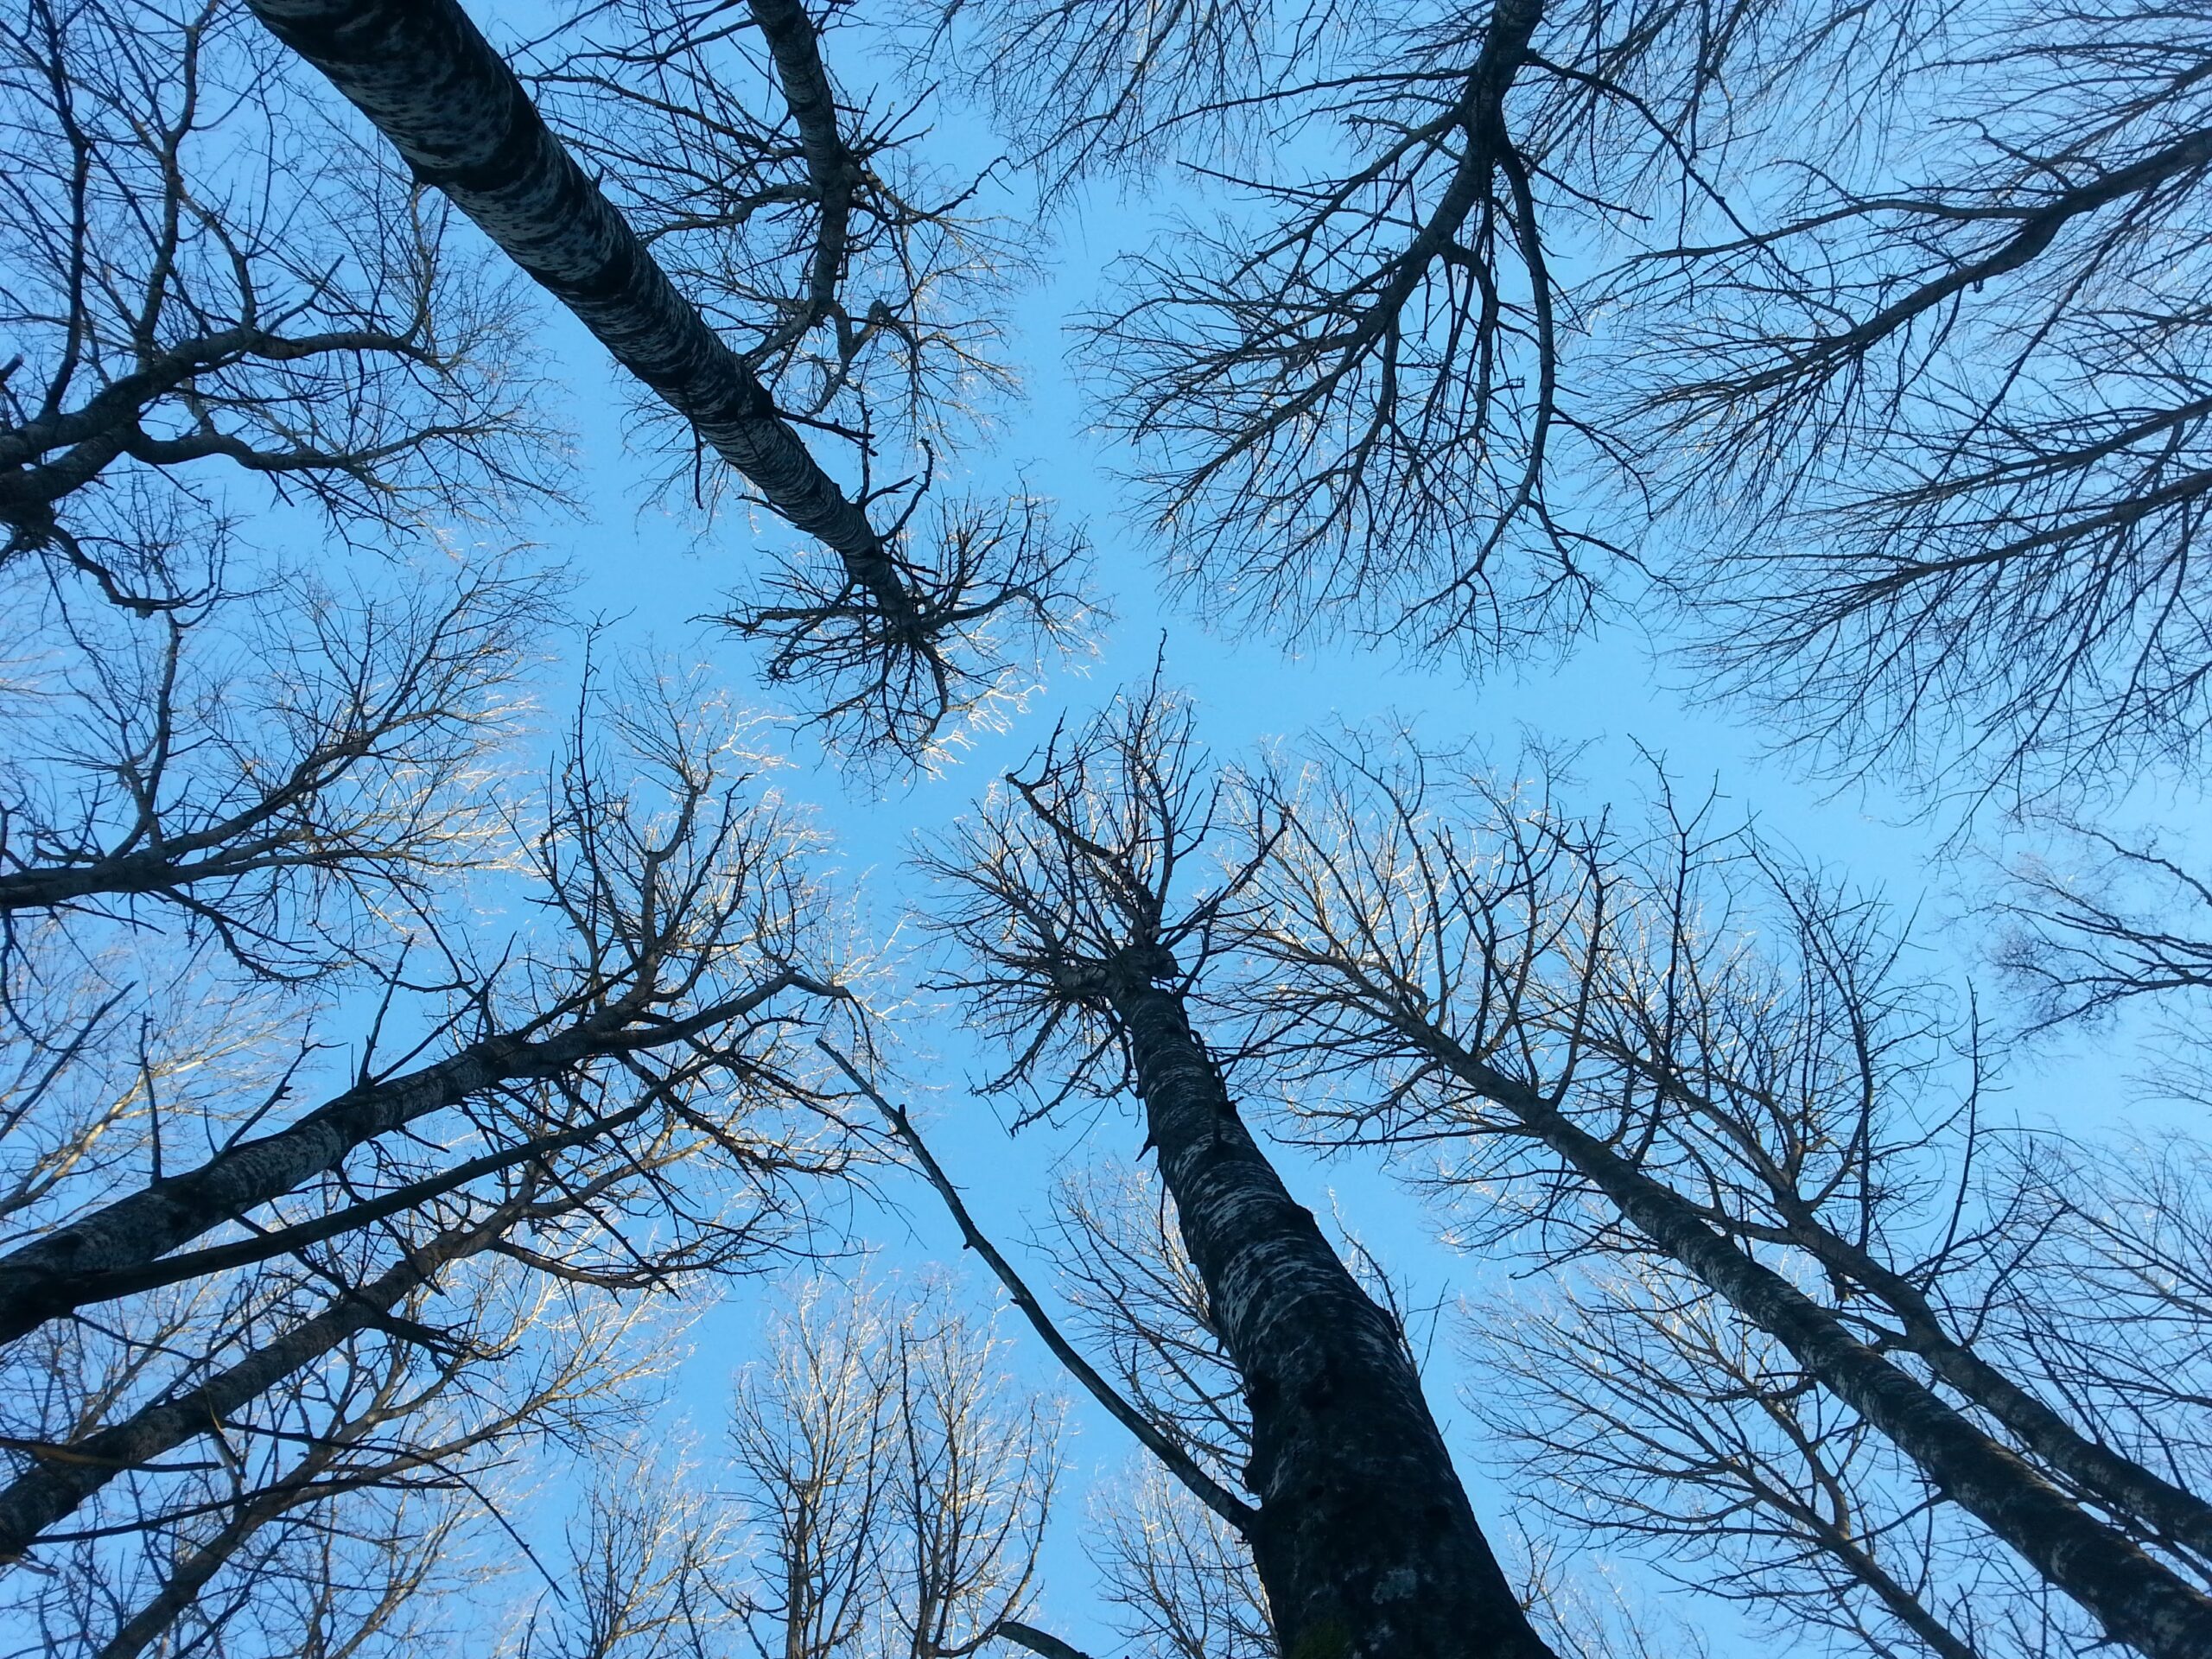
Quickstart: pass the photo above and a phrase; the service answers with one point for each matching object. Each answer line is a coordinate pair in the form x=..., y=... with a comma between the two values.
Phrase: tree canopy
x=558, y=845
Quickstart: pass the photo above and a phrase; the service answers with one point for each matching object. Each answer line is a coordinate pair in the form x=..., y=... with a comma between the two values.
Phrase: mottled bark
x=796, y=52
x=2137, y=1600
x=2166, y=1509
x=65, y=1268
x=1364, y=1539
x=62, y=1478
x=424, y=73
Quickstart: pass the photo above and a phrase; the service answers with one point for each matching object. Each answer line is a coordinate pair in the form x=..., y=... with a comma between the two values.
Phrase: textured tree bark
x=61, y=1479
x=797, y=51
x=2137, y=1600
x=1202, y=1485
x=2165, y=1508
x=1364, y=1539
x=62, y=1270
x=421, y=72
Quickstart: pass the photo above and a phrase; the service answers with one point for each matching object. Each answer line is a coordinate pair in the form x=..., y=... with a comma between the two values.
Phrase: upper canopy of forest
x=424, y=984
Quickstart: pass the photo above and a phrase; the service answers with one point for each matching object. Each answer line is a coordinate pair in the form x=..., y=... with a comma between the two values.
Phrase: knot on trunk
x=1098, y=979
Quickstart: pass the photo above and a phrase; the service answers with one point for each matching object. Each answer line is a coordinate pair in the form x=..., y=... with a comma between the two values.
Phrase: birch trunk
x=2171, y=1510
x=2137, y=1600
x=426, y=77
x=61, y=1479
x=69, y=1267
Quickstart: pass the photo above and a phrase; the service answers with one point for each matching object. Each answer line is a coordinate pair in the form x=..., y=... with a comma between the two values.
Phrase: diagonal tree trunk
x=85, y=1260
x=424, y=73
x=2137, y=1600
x=2171, y=1511
x=1364, y=1539
x=60, y=1478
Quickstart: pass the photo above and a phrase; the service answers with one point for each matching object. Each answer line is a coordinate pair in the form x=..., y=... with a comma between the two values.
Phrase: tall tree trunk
x=1364, y=1539
x=2177, y=1514
x=424, y=73
x=2137, y=1599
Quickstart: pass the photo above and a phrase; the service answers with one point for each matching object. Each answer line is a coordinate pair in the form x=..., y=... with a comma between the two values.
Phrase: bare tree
x=653, y=1567
x=1642, y=1413
x=798, y=215
x=2099, y=1289
x=870, y=291
x=341, y=1475
x=95, y=1061
x=1349, y=375
x=880, y=629
x=682, y=912
x=1939, y=399
x=898, y=1482
x=1319, y=384
x=202, y=275
x=2105, y=923
x=1335, y=393
x=1137, y=1295
x=622, y=1108
x=1875, y=334
x=1181, y=1577
x=1593, y=1023
x=1067, y=895
x=296, y=773
x=370, y=1577
x=1180, y=1573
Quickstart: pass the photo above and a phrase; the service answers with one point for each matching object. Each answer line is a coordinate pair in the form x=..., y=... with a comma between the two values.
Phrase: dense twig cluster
x=207, y=276
x=1885, y=326
x=1688, y=1055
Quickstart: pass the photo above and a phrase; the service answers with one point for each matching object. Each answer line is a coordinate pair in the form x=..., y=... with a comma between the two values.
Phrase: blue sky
x=647, y=569
x=650, y=575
